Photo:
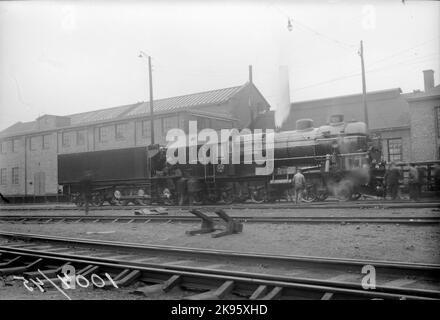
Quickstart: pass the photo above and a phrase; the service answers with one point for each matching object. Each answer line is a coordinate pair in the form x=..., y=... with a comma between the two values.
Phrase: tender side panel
x=105, y=165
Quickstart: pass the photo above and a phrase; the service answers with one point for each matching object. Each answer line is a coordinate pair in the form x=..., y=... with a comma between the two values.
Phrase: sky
x=67, y=57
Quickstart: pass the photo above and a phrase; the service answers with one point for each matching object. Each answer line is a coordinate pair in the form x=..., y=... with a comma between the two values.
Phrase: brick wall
x=404, y=135
x=12, y=158
x=41, y=164
x=424, y=130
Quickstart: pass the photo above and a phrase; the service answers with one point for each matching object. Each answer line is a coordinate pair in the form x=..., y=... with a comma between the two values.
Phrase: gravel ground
x=366, y=241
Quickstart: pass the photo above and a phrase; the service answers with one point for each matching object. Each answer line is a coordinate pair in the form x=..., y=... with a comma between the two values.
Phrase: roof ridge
x=191, y=94
x=350, y=95
x=155, y=100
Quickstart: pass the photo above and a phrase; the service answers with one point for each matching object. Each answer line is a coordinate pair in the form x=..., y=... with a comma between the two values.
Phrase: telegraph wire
x=411, y=62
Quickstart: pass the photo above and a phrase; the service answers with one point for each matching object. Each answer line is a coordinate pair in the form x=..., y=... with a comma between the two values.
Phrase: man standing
x=437, y=180
x=392, y=180
x=86, y=183
x=413, y=181
x=299, y=184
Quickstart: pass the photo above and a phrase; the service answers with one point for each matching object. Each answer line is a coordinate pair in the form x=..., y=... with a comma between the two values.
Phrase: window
x=80, y=138
x=146, y=128
x=157, y=130
x=103, y=134
x=15, y=175
x=2, y=147
x=203, y=123
x=169, y=123
x=15, y=145
x=46, y=141
x=65, y=139
x=120, y=131
x=3, y=176
x=394, y=149
x=33, y=143
x=437, y=111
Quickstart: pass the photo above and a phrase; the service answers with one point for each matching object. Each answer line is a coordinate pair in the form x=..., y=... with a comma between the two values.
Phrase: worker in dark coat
x=392, y=177
x=3, y=198
x=437, y=179
x=422, y=180
x=86, y=189
x=413, y=181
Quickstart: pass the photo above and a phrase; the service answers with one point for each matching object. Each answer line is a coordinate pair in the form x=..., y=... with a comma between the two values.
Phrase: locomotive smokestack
x=250, y=73
x=428, y=79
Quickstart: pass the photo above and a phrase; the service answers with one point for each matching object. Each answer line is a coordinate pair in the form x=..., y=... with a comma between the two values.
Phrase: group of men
x=416, y=178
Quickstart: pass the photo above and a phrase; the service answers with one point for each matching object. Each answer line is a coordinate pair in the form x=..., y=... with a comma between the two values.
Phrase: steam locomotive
x=339, y=159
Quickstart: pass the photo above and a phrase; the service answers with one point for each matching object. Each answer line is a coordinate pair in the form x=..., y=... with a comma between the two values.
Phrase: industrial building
x=28, y=151
x=408, y=123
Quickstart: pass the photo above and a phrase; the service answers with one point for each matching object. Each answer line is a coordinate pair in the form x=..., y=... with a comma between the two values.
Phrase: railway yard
x=282, y=251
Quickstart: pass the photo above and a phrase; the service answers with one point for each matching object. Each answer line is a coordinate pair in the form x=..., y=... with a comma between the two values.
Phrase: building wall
x=404, y=136
x=425, y=129
x=42, y=161
x=238, y=106
x=13, y=158
x=387, y=109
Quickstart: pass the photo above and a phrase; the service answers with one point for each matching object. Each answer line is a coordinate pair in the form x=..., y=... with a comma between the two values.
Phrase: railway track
x=367, y=204
x=157, y=269
x=193, y=219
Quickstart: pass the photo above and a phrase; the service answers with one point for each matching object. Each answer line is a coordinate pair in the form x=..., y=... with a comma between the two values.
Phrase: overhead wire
x=407, y=62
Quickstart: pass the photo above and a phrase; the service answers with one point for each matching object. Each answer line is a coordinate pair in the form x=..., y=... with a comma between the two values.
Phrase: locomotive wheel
x=344, y=194
x=227, y=197
x=321, y=195
x=118, y=202
x=195, y=198
x=380, y=189
x=97, y=200
x=79, y=202
x=309, y=195
x=143, y=202
x=355, y=196
x=258, y=196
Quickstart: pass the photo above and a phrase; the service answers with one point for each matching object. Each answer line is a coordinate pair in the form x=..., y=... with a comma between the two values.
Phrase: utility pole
x=150, y=74
x=364, y=88
x=251, y=125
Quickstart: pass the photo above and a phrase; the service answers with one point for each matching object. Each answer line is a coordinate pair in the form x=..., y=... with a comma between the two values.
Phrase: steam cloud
x=283, y=107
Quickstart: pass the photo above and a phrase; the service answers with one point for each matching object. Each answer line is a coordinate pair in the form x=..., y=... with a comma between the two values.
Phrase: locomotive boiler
x=339, y=159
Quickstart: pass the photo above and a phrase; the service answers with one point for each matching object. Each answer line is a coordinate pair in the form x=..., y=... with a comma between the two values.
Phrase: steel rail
x=247, y=284
x=367, y=204
x=411, y=220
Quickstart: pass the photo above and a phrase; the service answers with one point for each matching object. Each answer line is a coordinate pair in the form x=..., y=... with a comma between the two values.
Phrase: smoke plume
x=283, y=107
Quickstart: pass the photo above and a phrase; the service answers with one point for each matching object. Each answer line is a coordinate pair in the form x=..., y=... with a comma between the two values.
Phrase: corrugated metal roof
x=186, y=101
x=99, y=115
x=19, y=127
x=206, y=98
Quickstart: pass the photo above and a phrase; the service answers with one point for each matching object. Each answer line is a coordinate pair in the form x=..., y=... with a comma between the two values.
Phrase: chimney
x=250, y=74
x=428, y=77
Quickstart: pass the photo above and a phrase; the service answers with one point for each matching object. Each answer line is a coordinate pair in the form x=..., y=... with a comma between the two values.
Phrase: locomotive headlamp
x=334, y=144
